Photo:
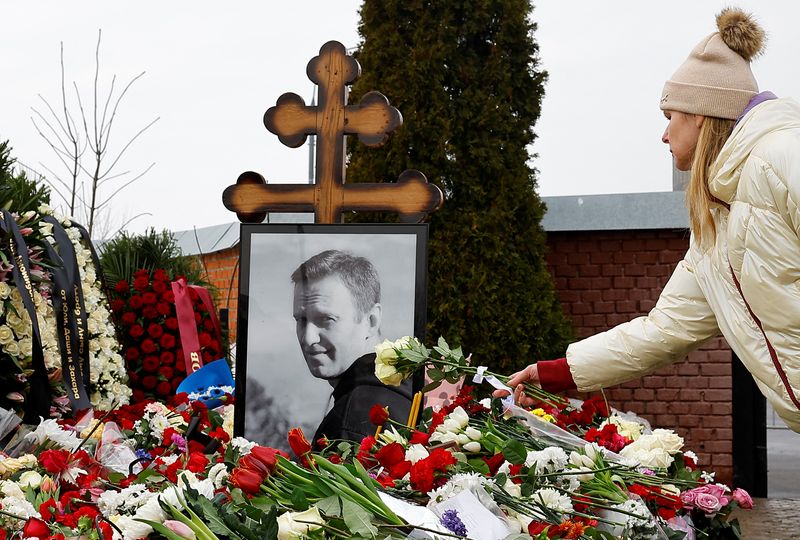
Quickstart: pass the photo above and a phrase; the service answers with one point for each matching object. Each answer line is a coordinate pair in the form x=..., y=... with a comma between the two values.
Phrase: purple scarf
x=756, y=100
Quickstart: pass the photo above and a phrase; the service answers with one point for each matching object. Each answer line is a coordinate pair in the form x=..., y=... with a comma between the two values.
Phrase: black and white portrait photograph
x=315, y=300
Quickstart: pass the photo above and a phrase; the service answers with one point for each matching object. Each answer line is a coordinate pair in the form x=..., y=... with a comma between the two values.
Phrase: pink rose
x=707, y=503
x=688, y=498
x=742, y=498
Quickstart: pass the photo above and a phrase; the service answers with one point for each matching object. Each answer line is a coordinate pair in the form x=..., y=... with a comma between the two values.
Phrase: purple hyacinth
x=453, y=523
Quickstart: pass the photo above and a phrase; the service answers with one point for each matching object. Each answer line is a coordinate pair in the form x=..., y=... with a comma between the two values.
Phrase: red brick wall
x=223, y=273
x=606, y=278
x=603, y=279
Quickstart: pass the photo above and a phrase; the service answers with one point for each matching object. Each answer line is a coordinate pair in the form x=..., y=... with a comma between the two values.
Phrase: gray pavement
x=783, y=465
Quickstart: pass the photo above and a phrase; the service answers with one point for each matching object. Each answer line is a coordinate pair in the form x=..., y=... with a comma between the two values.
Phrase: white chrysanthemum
x=131, y=529
x=50, y=430
x=553, y=499
x=218, y=474
x=473, y=482
x=18, y=506
x=242, y=445
x=126, y=500
x=158, y=423
x=416, y=452
x=551, y=459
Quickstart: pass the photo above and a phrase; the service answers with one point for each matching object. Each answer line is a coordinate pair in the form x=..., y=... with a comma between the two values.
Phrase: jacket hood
x=768, y=117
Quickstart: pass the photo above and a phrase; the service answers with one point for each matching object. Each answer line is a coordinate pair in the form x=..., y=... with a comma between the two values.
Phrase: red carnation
x=54, y=461
x=141, y=283
x=117, y=305
x=208, y=325
x=155, y=331
x=150, y=364
x=419, y=437
x=135, y=302
x=149, y=298
x=160, y=275
x=164, y=389
x=176, y=382
x=128, y=318
x=131, y=354
x=159, y=287
x=168, y=296
x=197, y=462
x=205, y=339
x=167, y=358
x=378, y=415
x=166, y=372
x=149, y=312
x=171, y=323
x=149, y=382
x=163, y=309
x=121, y=286
x=136, y=331
x=167, y=341
x=148, y=347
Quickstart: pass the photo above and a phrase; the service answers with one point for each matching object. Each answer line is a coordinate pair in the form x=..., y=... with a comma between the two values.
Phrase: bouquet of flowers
x=31, y=254
x=145, y=309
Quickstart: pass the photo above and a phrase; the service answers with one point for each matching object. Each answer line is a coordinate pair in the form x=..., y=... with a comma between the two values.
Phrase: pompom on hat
x=716, y=79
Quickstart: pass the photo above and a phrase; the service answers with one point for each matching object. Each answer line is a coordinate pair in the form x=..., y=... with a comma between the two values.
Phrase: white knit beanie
x=716, y=79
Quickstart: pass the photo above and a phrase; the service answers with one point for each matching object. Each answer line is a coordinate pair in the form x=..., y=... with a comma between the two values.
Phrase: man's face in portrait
x=331, y=330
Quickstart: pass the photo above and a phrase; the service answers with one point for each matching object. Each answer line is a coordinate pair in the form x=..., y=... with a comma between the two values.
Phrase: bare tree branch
x=123, y=186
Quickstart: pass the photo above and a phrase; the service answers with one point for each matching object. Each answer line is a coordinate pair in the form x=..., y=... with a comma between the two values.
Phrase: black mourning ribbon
x=71, y=319
x=37, y=403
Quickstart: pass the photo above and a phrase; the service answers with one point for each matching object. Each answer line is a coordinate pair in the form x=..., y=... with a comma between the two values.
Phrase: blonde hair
x=713, y=134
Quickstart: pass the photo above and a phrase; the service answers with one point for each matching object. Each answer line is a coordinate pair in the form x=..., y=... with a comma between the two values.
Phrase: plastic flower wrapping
x=476, y=468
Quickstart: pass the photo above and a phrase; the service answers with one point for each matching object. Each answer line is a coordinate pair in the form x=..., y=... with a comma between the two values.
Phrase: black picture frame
x=282, y=392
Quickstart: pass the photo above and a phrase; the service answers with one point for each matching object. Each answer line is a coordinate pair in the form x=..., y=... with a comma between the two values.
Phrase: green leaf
x=299, y=500
x=330, y=506
x=358, y=520
x=212, y=518
x=435, y=374
x=515, y=452
x=479, y=466
x=161, y=529
x=431, y=386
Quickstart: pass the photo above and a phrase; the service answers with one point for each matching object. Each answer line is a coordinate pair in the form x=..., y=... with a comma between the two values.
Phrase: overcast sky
x=213, y=69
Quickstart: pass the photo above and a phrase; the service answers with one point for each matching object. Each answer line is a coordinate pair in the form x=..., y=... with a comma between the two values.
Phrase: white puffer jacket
x=757, y=252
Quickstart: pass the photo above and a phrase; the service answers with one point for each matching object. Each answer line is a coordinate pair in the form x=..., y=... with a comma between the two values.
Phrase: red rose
x=378, y=415
x=298, y=443
x=163, y=309
x=35, y=528
x=117, y=305
x=149, y=298
x=149, y=382
x=135, y=302
x=164, y=389
x=132, y=354
x=136, y=331
x=147, y=346
x=167, y=341
x=159, y=287
x=141, y=283
x=247, y=480
x=155, y=331
x=54, y=461
x=197, y=462
x=166, y=372
x=419, y=437
x=128, y=318
x=167, y=358
x=390, y=455
x=149, y=312
x=535, y=528
x=121, y=286
x=150, y=364
x=171, y=323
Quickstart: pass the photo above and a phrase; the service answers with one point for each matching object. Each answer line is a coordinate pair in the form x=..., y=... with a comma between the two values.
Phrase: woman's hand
x=528, y=375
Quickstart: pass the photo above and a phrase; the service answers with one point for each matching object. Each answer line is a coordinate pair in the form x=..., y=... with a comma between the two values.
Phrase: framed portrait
x=314, y=300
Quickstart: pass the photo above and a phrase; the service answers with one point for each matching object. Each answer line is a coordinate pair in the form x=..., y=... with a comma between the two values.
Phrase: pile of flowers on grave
x=476, y=468
x=144, y=308
x=30, y=243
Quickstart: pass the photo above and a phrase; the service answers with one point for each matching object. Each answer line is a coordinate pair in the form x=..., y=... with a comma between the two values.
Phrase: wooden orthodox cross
x=292, y=121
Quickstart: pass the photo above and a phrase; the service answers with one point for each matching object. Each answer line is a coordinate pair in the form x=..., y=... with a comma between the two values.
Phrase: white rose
x=416, y=452
x=6, y=335
x=626, y=428
x=385, y=358
x=5, y=290
x=31, y=479
x=648, y=457
x=668, y=440
x=472, y=446
x=12, y=348
x=289, y=525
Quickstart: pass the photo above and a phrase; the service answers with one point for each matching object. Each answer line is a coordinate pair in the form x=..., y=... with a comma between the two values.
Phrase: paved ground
x=771, y=519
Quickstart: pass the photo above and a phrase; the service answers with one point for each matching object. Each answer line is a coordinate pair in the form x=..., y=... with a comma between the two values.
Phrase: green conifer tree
x=465, y=75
